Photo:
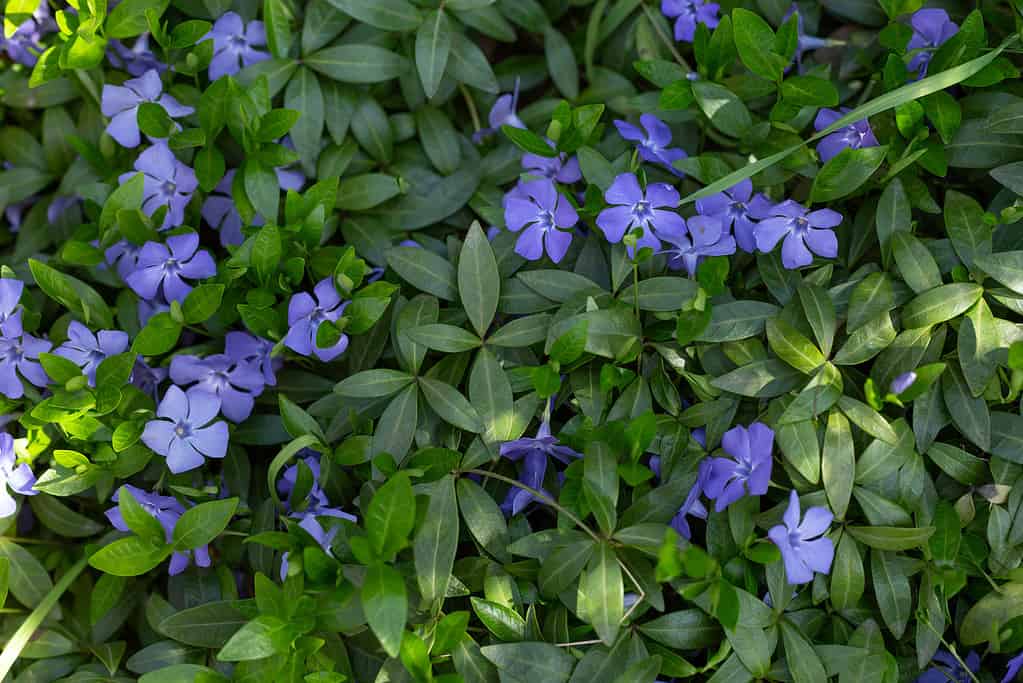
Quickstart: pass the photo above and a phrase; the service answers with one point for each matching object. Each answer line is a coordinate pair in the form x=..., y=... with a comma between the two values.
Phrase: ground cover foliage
x=511, y=340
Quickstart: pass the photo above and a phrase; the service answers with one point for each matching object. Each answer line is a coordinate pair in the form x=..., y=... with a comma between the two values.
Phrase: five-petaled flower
x=632, y=209
x=533, y=452
x=545, y=214
x=1013, y=668
x=235, y=383
x=503, y=113
x=19, y=354
x=247, y=348
x=703, y=236
x=234, y=45
x=856, y=135
x=220, y=211
x=652, y=141
x=306, y=314
x=121, y=104
x=804, y=548
x=10, y=309
x=165, y=182
x=137, y=59
x=166, y=510
x=689, y=13
x=184, y=432
x=804, y=231
x=931, y=29
x=88, y=350
x=748, y=470
x=949, y=669
x=163, y=268
x=561, y=168
x=13, y=476
x=738, y=208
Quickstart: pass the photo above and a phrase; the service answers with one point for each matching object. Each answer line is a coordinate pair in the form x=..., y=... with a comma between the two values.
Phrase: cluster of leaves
x=355, y=528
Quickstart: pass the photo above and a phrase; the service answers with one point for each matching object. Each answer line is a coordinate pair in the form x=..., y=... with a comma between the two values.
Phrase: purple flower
x=236, y=384
x=306, y=314
x=948, y=669
x=653, y=141
x=165, y=182
x=167, y=511
x=533, y=452
x=121, y=104
x=137, y=59
x=88, y=350
x=692, y=504
x=689, y=13
x=234, y=45
x=635, y=210
x=931, y=28
x=547, y=216
x=902, y=382
x=502, y=114
x=246, y=348
x=17, y=478
x=805, y=43
x=747, y=471
x=804, y=549
x=147, y=379
x=220, y=212
x=560, y=168
x=10, y=310
x=162, y=268
x=1013, y=668
x=149, y=307
x=59, y=206
x=854, y=136
x=123, y=256
x=804, y=231
x=703, y=236
x=25, y=44
x=19, y=353
x=737, y=208
x=183, y=434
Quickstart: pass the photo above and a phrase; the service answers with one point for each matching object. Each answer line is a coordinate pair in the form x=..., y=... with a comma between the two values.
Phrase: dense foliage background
x=533, y=341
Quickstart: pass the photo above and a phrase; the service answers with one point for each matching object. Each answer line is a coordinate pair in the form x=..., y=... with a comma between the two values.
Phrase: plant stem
x=471, y=104
x=659, y=30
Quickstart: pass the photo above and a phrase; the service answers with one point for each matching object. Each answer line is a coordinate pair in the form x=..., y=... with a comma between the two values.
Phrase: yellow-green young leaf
x=754, y=41
x=202, y=523
x=838, y=463
x=137, y=519
x=385, y=604
x=505, y=623
x=792, y=347
x=130, y=556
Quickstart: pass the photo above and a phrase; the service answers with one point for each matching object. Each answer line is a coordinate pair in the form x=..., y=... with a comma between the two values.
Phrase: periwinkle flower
x=236, y=384
x=1013, y=668
x=165, y=182
x=561, y=168
x=137, y=59
x=166, y=510
x=948, y=669
x=806, y=233
x=738, y=208
x=804, y=548
x=634, y=209
x=804, y=42
x=121, y=104
x=234, y=45
x=703, y=236
x=123, y=256
x=184, y=432
x=547, y=217
x=10, y=309
x=19, y=355
x=931, y=29
x=16, y=477
x=88, y=350
x=902, y=382
x=25, y=44
x=689, y=13
x=533, y=452
x=748, y=470
x=306, y=314
x=147, y=379
x=854, y=136
x=692, y=505
x=503, y=113
x=163, y=268
x=220, y=211
x=652, y=142
x=147, y=308
x=246, y=348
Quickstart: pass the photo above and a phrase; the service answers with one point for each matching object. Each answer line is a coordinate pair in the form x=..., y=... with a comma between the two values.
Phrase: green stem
x=541, y=496
x=471, y=104
x=659, y=30
x=28, y=627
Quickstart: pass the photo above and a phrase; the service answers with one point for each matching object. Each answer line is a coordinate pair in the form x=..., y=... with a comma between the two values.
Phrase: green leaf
x=468, y=64
x=73, y=294
x=978, y=343
x=479, y=285
x=202, y=303
x=209, y=625
x=602, y=591
x=528, y=141
x=847, y=576
x=262, y=189
x=28, y=580
x=450, y=405
x=915, y=262
x=483, y=518
x=436, y=541
x=891, y=588
x=891, y=537
x=844, y=174
x=385, y=604
x=446, y=338
x=262, y=637
x=203, y=523
x=390, y=518
x=531, y=661
x=803, y=662
x=725, y=110
x=128, y=19
x=970, y=414
x=439, y=139
x=661, y=293
x=561, y=62
x=373, y=383
x=505, y=623
x=138, y=520
x=433, y=47
x=754, y=41
x=354, y=63
x=893, y=215
x=386, y=15
x=305, y=95
x=792, y=347
x=809, y=91
x=366, y=190
x=838, y=463
x=424, y=270
x=966, y=227
x=563, y=566
x=940, y=304
x=820, y=313
x=490, y=392
x=159, y=336
x=130, y=556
